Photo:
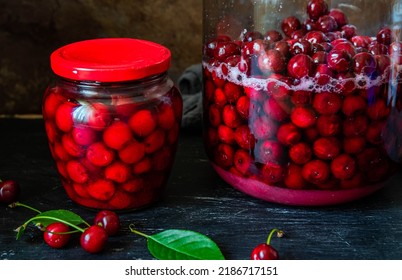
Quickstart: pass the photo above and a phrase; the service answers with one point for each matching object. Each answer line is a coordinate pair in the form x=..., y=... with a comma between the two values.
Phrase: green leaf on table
x=44, y=219
x=66, y=216
x=175, y=244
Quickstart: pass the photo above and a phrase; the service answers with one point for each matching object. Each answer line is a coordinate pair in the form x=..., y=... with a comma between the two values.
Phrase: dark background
x=31, y=30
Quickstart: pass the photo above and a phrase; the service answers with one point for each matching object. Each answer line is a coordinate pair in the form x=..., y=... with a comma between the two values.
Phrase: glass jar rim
x=110, y=60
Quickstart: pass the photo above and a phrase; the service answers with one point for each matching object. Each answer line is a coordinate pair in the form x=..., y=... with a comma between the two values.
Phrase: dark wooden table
x=196, y=199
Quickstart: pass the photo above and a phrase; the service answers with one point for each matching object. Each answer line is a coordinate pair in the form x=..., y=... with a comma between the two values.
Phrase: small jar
x=112, y=116
x=302, y=99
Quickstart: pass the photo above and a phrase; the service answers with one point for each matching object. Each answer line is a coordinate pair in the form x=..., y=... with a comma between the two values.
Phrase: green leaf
x=65, y=216
x=175, y=244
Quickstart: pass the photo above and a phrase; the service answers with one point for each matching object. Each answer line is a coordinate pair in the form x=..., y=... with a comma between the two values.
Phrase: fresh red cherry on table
x=93, y=239
x=109, y=220
x=9, y=191
x=265, y=251
x=56, y=235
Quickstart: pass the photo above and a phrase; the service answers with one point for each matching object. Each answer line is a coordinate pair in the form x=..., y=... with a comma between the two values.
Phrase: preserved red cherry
x=339, y=17
x=300, y=65
x=290, y=24
x=316, y=9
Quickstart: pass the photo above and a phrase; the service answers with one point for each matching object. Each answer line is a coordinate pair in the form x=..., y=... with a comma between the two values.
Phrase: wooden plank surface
x=196, y=199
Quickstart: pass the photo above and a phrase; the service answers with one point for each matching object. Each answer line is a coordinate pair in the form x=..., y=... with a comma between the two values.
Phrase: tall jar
x=302, y=99
x=112, y=117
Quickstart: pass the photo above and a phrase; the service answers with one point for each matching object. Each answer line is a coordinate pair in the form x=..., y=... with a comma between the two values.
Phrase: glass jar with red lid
x=112, y=116
x=302, y=100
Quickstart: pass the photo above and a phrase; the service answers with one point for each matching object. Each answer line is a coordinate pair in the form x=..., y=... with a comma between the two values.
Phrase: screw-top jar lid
x=110, y=60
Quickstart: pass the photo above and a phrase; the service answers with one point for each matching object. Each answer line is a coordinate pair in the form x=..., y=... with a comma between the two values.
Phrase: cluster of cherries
x=303, y=108
x=93, y=238
x=113, y=152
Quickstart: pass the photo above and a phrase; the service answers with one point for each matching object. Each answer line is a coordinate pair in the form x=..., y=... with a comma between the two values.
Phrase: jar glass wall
x=301, y=98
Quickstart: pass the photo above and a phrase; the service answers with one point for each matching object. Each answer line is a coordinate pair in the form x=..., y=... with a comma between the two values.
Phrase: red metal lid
x=110, y=60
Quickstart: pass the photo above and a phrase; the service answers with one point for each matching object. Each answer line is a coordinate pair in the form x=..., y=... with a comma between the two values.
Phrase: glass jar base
x=293, y=197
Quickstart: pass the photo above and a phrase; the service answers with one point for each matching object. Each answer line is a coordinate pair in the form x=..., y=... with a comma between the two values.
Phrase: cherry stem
x=279, y=234
x=133, y=230
x=15, y=204
x=53, y=219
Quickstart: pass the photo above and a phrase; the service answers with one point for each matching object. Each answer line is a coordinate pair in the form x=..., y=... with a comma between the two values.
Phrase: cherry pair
x=93, y=238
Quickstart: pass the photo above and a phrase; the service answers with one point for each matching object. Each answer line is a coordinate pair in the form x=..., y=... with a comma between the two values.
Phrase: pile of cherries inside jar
x=112, y=153
x=304, y=107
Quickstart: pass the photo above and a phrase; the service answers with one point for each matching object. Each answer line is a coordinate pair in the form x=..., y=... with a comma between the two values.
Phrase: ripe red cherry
x=339, y=60
x=93, y=239
x=271, y=61
x=64, y=116
x=102, y=190
x=242, y=161
x=327, y=24
x=300, y=65
x=348, y=31
x=230, y=116
x=77, y=172
x=301, y=47
x=51, y=103
x=276, y=110
x=232, y=92
x=243, y=106
x=354, y=145
x=98, y=116
x=225, y=134
x=117, y=135
x=272, y=172
x=323, y=74
x=316, y=9
x=223, y=155
x=117, y=172
x=273, y=36
x=166, y=116
x=353, y=105
x=385, y=36
x=364, y=63
x=142, y=123
x=244, y=138
x=269, y=151
x=133, y=152
x=293, y=177
x=83, y=135
x=316, y=171
x=327, y=103
x=225, y=49
x=9, y=191
x=290, y=24
x=109, y=220
x=300, y=153
x=55, y=235
x=263, y=128
x=343, y=167
x=264, y=251
x=288, y=134
x=329, y=125
x=339, y=17
x=252, y=35
x=327, y=147
x=99, y=155
x=303, y=117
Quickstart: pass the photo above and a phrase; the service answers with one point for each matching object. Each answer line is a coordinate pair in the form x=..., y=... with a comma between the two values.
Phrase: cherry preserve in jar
x=301, y=99
x=112, y=116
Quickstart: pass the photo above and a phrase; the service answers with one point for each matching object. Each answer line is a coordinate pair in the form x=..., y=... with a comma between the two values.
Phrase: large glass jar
x=112, y=117
x=302, y=98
